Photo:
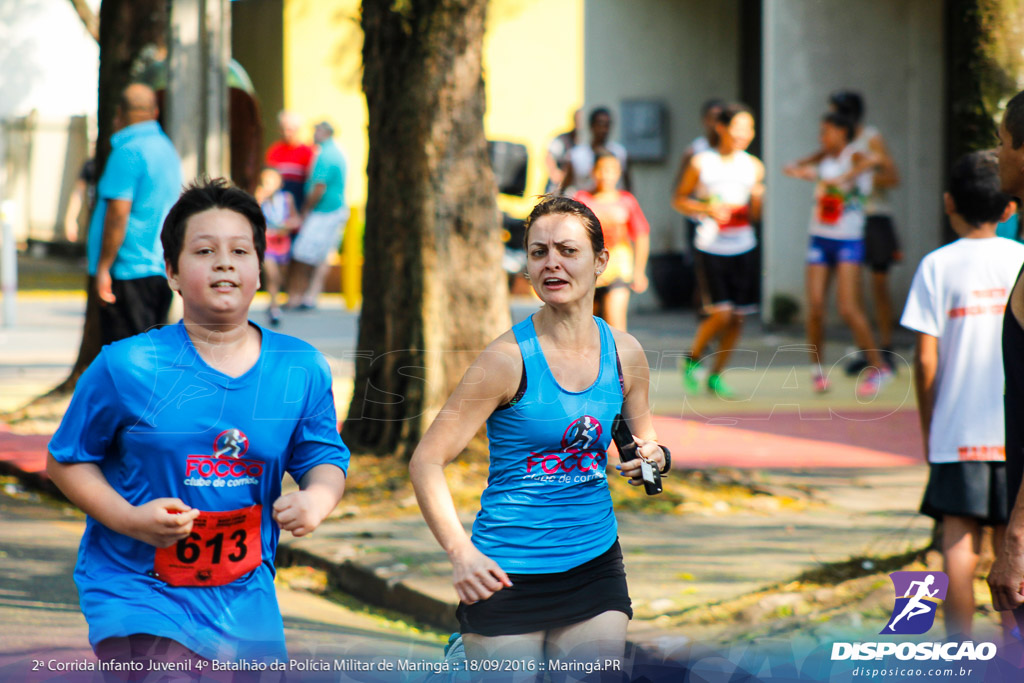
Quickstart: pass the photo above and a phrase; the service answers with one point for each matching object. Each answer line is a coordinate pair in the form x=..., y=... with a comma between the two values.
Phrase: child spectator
x=282, y=220
x=956, y=305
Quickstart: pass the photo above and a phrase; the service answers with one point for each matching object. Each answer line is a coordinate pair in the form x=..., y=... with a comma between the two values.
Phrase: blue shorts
x=824, y=251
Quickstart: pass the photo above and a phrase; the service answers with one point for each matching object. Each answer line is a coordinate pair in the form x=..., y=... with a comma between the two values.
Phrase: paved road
x=40, y=618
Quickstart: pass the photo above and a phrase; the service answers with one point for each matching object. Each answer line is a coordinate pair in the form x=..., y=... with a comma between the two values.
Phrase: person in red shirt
x=290, y=157
x=627, y=236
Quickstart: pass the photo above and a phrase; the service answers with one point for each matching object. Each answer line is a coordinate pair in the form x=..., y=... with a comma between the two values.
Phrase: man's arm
x=313, y=198
x=1006, y=578
x=926, y=363
x=886, y=174
x=115, y=227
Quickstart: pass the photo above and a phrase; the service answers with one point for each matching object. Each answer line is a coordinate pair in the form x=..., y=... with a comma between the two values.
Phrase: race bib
x=739, y=217
x=830, y=208
x=222, y=547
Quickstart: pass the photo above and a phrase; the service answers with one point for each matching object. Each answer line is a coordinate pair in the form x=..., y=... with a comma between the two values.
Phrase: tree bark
x=434, y=291
x=127, y=27
x=985, y=40
x=88, y=17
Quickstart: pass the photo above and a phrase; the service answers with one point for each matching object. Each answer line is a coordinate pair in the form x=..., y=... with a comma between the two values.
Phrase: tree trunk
x=434, y=290
x=985, y=40
x=127, y=27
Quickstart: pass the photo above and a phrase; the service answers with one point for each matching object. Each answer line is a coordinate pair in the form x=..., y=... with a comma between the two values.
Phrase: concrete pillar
x=196, y=107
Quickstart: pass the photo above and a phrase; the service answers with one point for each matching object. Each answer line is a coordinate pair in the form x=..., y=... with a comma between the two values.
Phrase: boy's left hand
x=299, y=512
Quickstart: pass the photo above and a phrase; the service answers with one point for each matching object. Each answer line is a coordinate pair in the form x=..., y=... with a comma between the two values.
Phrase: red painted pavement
x=818, y=440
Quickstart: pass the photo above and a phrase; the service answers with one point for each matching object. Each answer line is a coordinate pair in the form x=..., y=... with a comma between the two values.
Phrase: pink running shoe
x=874, y=381
x=820, y=383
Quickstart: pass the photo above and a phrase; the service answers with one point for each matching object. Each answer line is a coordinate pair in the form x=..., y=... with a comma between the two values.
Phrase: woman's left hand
x=649, y=450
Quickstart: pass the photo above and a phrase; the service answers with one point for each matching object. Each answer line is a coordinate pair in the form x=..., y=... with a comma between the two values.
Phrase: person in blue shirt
x=175, y=444
x=323, y=220
x=542, y=575
x=141, y=181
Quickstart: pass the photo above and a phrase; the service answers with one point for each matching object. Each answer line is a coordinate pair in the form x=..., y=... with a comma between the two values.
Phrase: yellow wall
x=323, y=71
x=533, y=66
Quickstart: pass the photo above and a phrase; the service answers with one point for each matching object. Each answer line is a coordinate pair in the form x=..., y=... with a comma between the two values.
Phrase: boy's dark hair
x=974, y=187
x=840, y=121
x=202, y=195
x=599, y=111
x=1014, y=119
x=551, y=204
x=848, y=103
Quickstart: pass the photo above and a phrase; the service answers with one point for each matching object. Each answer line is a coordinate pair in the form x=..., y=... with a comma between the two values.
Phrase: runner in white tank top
x=837, y=229
x=722, y=187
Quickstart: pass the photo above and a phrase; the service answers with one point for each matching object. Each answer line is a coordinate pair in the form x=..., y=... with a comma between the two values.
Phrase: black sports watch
x=668, y=458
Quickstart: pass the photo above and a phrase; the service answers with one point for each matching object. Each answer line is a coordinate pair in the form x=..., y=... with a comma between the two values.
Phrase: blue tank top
x=547, y=507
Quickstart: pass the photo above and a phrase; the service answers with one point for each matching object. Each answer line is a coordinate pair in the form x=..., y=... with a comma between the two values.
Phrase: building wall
x=49, y=71
x=533, y=69
x=257, y=43
x=533, y=66
x=681, y=53
x=48, y=61
x=892, y=53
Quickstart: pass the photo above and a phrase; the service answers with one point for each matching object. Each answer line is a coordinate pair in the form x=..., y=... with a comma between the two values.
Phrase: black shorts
x=881, y=246
x=141, y=304
x=967, y=489
x=540, y=602
x=729, y=281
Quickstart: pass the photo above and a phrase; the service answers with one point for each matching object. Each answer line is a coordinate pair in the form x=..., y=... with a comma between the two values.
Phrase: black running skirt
x=540, y=602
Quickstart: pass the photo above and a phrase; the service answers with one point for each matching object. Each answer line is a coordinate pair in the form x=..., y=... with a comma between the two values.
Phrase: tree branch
x=88, y=17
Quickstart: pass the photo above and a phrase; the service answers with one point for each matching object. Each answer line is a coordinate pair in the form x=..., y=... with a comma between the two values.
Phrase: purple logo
x=917, y=598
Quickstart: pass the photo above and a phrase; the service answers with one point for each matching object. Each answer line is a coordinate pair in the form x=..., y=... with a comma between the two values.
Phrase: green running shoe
x=717, y=387
x=691, y=384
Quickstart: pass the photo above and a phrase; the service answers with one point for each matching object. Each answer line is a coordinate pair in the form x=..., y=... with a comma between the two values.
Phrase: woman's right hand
x=475, y=576
x=161, y=522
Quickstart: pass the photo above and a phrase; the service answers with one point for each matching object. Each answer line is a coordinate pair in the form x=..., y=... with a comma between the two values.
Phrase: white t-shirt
x=876, y=199
x=958, y=295
x=727, y=182
x=838, y=211
x=582, y=159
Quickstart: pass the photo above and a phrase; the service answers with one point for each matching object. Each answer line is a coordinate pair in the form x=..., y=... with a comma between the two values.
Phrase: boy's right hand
x=161, y=522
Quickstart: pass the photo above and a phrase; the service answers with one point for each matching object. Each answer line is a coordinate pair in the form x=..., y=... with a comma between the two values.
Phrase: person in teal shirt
x=141, y=181
x=324, y=215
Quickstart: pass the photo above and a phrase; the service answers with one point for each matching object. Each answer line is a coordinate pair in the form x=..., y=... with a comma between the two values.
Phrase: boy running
x=175, y=444
x=956, y=306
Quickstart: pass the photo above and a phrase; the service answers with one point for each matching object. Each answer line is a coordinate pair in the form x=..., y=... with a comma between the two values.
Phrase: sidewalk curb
x=363, y=583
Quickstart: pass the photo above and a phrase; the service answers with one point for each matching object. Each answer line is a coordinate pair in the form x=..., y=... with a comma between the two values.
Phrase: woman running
x=837, y=247
x=542, y=576
x=626, y=236
x=723, y=188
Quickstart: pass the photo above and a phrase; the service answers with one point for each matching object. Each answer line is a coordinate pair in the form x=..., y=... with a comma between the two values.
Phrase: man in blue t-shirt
x=140, y=183
x=323, y=218
x=175, y=444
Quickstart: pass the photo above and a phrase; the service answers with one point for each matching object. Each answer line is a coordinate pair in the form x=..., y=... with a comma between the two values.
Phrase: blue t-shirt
x=547, y=507
x=160, y=422
x=329, y=169
x=142, y=168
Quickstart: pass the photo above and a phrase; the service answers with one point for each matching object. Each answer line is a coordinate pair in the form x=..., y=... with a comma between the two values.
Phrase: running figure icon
x=915, y=605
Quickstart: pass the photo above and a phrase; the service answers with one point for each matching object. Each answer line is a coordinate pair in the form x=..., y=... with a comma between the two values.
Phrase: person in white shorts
x=956, y=305
x=324, y=215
